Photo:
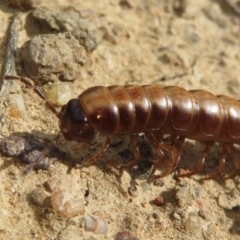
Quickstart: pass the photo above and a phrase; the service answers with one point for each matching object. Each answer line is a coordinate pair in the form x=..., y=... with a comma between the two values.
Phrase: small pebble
x=17, y=106
x=59, y=94
x=38, y=197
x=28, y=149
x=159, y=182
x=193, y=222
x=95, y=225
x=132, y=191
x=176, y=216
x=12, y=146
x=70, y=20
x=179, y=7
x=159, y=201
x=126, y=235
x=51, y=184
x=51, y=57
x=202, y=214
x=64, y=204
x=197, y=192
x=145, y=186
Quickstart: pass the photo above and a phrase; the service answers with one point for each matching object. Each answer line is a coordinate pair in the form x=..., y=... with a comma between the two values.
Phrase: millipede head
x=74, y=124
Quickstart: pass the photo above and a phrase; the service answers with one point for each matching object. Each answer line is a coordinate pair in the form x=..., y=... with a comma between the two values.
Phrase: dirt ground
x=194, y=44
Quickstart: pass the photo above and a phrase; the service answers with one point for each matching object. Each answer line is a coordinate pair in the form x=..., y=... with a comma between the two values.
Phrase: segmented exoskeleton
x=153, y=110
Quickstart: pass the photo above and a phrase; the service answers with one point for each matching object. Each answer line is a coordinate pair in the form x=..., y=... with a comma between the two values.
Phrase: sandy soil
x=139, y=42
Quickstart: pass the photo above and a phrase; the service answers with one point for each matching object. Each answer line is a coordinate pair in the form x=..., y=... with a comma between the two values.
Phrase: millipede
x=153, y=110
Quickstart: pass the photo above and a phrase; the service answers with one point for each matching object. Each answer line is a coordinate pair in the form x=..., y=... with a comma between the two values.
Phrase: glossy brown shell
x=196, y=114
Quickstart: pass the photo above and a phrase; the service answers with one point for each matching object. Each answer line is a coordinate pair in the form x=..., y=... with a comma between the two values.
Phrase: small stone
x=179, y=7
x=69, y=20
x=177, y=216
x=65, y=205
x=17, y=106
x=202, y=214
x=96, y=225
x=12, y=146
x=51, y=184
x=125, y=235
x=58, y=94
x=193, y=222
x=145, y=186
x=38, y=197
x=159, y=182
x=51, y=57
x=132, y=191
x=159, y=201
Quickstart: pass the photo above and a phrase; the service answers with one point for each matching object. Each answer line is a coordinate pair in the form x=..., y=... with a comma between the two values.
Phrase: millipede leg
x=157, y=147
x=200, y=161
x=175, y=156
x=221, y=165
x=232, y=152
x=174, y=152
x=36, y=90
x=136, y=152
x=43, y=154
x=98, y=154
x=80, y=148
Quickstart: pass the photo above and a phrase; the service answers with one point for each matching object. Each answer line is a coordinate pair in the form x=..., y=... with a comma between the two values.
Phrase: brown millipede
x=154, y=110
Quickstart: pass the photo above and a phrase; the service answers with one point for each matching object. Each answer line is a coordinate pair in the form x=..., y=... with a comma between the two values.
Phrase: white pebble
x=97, y=226
x=193, y=222
x=17, y=102
x=59, y=94
x=65, y=205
